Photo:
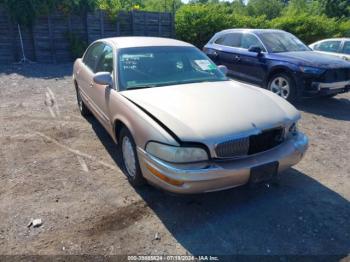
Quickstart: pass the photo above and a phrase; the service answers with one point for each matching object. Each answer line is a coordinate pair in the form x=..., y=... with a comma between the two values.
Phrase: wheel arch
x=118, y=125
x=277, y=70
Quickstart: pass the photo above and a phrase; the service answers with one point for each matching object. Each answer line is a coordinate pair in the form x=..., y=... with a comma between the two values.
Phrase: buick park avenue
x=179, y=123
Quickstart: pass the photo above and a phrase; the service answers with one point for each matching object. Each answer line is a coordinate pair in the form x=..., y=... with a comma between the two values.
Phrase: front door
x=101, y=93
x=252, y=66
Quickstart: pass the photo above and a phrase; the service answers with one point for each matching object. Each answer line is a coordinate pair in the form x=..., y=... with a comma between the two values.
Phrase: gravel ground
x=59, y=167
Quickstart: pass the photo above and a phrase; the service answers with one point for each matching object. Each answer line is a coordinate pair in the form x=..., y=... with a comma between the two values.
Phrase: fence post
x=159, y=24
x=15, y=55
x=85, y=25
x=51, y=36
x=132, y=22
x=172, y=24
x=118, y=27
x=145, y=28
x=102, y=33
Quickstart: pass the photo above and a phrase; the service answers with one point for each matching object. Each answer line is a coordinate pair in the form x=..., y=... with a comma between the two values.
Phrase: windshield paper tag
x=205, y=64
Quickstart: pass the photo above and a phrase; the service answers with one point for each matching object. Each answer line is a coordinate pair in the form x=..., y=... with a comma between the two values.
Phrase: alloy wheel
x=280, y=86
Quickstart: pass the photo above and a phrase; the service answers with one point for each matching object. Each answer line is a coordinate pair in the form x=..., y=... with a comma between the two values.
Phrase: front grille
x=265, y=141
x=250, y=145
x=233, y=148
x=336, y=75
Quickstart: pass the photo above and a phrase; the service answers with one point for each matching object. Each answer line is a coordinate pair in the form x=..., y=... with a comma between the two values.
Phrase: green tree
x=336, y=8
x=297, y=7
x=270, y=9
x=162, y=5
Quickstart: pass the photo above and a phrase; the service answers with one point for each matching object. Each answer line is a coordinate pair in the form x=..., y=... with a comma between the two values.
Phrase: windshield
x=145, y=67
x=277, y=42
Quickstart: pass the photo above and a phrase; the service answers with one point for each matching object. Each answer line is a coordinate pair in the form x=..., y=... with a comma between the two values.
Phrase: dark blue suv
x=278, y=61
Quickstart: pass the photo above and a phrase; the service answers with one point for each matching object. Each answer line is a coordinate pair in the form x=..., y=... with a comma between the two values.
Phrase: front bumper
x=219, y=175
x=331, y=88
x=310, y=86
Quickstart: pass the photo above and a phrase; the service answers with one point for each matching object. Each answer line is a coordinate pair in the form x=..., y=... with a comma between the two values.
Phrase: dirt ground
x=58, y=166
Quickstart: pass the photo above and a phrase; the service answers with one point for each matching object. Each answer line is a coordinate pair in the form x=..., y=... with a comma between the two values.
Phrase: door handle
x=237, y=58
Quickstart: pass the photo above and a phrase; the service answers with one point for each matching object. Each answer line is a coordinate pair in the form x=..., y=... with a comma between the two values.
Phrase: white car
x=339, y=47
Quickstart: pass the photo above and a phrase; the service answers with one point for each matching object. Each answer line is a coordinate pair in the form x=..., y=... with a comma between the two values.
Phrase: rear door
x=227, y=48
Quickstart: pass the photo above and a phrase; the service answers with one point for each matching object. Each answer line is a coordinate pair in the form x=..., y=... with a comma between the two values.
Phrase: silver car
x=179, y=122
x=339, y=47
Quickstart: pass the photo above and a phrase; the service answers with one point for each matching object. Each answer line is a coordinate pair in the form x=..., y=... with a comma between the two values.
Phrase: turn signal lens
x=169, y=180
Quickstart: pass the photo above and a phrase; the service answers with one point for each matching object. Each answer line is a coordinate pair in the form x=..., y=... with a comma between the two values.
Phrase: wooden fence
x=47, y=40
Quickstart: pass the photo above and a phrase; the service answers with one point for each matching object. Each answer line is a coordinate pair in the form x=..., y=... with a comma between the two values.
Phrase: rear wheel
x=130, y=161
x=84, y=111
x=283, y=85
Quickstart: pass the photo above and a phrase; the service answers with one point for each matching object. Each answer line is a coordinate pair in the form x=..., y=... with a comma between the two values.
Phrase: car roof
x=251, y=30
x=330, y=39
x=141, y=41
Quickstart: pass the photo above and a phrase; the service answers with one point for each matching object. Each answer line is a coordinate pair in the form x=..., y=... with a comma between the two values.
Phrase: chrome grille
x=250, y=145
x=233, y=148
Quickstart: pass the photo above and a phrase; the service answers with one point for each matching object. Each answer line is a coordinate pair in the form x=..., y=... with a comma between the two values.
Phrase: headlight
x=176, y=154
x=311, y=70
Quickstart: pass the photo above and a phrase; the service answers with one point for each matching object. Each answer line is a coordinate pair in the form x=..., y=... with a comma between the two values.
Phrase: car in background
x=179, y=122
x=278, y=61
x=339, y=47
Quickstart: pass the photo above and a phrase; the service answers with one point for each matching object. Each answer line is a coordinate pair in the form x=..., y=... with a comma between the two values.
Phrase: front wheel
x=130, y=161
x=283, y=85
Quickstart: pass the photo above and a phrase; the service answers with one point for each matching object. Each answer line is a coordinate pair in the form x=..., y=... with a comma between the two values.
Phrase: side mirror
x=223, y=69
x=255, y=49
x=103, y=78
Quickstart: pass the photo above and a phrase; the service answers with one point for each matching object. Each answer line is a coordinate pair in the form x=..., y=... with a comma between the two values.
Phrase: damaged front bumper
x=331, y=88
x=218, y=175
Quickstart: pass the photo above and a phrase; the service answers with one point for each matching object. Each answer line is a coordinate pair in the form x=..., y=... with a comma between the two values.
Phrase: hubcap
x=129, y=157
x=280, y=86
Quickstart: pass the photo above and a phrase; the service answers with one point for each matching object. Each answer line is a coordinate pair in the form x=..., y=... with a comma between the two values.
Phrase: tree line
x=198, y=20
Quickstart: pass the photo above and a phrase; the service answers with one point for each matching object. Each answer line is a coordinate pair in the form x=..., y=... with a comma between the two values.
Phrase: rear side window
x=249, y=40
x=346, y=48
x=92, y=55
x=328, y=46
x=231, y=39
x=105, y=63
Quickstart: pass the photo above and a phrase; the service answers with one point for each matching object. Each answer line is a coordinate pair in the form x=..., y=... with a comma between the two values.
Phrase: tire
x=130, y=161
x=283, y=85
x=84, y=111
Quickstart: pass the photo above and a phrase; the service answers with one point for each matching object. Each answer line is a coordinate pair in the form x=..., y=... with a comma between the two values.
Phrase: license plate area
x=263, y=173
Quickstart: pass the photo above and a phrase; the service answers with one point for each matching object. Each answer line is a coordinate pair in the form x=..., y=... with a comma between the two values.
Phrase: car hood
x=312, y=58
x=212, y=111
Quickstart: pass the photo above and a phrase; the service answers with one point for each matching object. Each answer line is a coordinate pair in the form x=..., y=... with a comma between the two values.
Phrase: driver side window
x=105, y=63
x=92, y=55
x=249, y=40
